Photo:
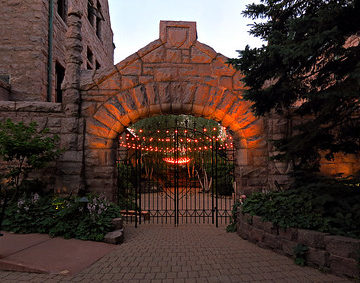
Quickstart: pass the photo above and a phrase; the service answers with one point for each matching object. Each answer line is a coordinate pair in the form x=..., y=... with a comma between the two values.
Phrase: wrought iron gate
x=176, y=175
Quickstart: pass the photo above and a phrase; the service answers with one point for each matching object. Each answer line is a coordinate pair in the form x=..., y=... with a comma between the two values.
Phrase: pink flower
x=242, y=199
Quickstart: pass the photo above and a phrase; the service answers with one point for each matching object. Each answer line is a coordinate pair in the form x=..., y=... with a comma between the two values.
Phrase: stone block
x=133, y=69
x=226, y=82
x=155, y=56
x=116, y=237
x=206, y=49
x=311, y=238
x=93, y=142
x=70, y=168
x=220, y=68
x=288, y=247
x=69, y=141
x=72, y=156
x=128, y=82
x=97, y=129
x=256, y=235
x=198, y=56
x=238, y=84
x=106, y=118
x=165, y=74
x=272, y=241
x=343, y=246
x=150, y=47
x=317, y=257
x=178, y=34
x=344, y=266
x=36, y=106
x=118, y=223
x=257, y=222
x=145, y=79
x=54, y=122
x=100, y=157
x=288, y=233
x=127, y=61
x=173, y=56
x=7, y=105
x=244, y=230
x=102, y=172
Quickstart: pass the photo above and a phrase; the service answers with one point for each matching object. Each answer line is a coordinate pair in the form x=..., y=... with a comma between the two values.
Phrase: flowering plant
x=69, y=217
x=232, y=226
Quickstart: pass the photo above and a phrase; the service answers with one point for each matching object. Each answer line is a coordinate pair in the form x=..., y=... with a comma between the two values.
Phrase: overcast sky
x=219, y=23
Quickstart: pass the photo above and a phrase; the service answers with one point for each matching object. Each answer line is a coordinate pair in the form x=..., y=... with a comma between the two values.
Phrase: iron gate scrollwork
x=176, y=175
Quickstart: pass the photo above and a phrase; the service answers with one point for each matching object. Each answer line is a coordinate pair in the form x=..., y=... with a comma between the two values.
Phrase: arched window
x=62, y=9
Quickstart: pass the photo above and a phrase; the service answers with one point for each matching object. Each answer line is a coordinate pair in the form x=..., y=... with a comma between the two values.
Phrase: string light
x=133, y=141
x=182, y=160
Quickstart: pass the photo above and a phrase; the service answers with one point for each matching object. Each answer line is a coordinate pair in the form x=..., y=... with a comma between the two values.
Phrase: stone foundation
x=336, y=254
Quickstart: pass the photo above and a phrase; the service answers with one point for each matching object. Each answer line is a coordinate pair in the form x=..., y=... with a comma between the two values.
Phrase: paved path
x=189, y=253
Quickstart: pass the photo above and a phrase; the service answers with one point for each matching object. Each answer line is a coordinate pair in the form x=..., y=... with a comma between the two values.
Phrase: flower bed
x=336, y=254
x=86, y=218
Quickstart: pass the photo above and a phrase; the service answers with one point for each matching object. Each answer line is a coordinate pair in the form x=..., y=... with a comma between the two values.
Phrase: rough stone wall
x=345, y=164
x=174, y=74
x=4, y=91
x=277, y=127
x=103, y=47
x=46, y=115
x=335, y=254
x=24, y=45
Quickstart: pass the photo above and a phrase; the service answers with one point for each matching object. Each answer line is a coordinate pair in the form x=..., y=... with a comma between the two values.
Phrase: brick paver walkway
x=189, y=253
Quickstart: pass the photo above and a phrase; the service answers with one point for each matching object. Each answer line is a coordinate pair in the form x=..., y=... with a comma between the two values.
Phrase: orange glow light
x=171, y=160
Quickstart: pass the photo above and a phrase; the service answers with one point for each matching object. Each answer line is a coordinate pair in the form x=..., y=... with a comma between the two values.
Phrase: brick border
x=336, y=254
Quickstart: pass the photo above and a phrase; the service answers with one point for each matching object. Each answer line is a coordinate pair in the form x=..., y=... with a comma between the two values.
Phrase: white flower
x=20, y=203
x=35, y=198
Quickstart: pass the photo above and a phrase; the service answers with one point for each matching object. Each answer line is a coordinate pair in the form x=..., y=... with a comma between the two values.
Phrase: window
x=91, y=12
x=62, y=9
x=98, y=66
x=99, y=18
x=59, y=76
x=90, y=59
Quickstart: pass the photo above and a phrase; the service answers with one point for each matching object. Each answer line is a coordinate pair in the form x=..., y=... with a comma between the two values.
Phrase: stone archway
x=174, y=74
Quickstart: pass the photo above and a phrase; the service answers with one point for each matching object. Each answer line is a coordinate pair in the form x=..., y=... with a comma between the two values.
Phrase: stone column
x=71, y=164
x=73, y=59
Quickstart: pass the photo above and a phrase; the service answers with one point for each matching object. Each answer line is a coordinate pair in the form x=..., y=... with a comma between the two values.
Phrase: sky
x=135, y=23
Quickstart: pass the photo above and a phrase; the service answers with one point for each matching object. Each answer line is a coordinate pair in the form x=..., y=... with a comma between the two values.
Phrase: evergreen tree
x=309, y=67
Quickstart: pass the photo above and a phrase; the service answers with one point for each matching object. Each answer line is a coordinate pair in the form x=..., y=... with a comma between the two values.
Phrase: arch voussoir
x=177, y=75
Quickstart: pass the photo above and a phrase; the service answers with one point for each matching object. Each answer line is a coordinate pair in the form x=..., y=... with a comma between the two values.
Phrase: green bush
x=325, y=205
x=66, y=217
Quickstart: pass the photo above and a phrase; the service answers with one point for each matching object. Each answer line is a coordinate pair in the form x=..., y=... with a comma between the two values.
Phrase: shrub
x=325, y=205
x=67, y=217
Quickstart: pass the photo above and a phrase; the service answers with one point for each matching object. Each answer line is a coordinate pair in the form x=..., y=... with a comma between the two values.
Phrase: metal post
x=212, y=185
x=139, y=185
x=136, y=188
x=216, y=182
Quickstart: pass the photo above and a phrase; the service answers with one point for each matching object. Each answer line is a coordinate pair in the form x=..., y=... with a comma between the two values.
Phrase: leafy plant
x=321, y=204
x=300, y=252
x=67, y=217
x=232, y=226
x=24, y=148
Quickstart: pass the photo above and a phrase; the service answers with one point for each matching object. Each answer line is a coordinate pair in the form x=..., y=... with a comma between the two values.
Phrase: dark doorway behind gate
x=176, y=170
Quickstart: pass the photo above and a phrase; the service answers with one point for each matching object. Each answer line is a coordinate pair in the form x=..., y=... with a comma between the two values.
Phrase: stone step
x=118, y=223
x=115, y=237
